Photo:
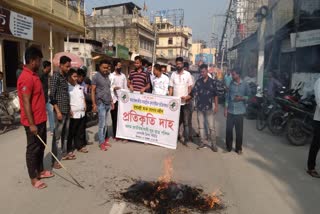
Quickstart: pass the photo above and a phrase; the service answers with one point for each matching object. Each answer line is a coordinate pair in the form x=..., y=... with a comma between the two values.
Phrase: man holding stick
x=33, y=116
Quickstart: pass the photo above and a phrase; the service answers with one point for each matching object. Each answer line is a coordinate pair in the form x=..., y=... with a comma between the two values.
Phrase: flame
x=167, y=170
x=213, y=199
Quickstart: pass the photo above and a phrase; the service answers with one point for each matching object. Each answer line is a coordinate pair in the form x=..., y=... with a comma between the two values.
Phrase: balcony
x=66, y=13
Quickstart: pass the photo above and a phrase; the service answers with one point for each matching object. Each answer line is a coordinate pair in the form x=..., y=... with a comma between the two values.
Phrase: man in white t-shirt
x=180, y=86
x=118, y=81
x=160, y=82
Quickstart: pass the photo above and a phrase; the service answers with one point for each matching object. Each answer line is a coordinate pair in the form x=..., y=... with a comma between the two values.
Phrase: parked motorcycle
x=279, y=117
x=300, y=124
x=265, y=106
x=9, y=111
x=252, y=103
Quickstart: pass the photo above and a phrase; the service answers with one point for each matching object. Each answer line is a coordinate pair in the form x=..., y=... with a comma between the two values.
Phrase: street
x=268, y=178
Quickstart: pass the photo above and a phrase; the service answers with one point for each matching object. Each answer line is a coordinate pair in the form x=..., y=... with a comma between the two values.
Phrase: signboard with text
x=122, y=52
x=305, y=39
x=148, y=118
x=16, y=24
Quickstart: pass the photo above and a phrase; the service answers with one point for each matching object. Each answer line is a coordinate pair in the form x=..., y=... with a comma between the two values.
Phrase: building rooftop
x=129, y=5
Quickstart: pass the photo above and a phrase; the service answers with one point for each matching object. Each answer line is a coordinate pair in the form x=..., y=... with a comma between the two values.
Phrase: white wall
x=307, y=78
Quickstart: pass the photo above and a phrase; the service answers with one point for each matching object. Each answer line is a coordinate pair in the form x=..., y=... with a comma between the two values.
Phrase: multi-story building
x=42, y=23
x=123, y=24
x=173, y=41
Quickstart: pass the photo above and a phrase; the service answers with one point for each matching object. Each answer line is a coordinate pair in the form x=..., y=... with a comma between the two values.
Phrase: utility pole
x=225, y=27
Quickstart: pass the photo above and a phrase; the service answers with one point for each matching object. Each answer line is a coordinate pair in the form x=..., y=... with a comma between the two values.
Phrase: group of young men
x=68, y=90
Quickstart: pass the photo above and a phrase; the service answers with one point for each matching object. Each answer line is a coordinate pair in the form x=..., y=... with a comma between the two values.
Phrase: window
x=170, y=41
x=185, y=42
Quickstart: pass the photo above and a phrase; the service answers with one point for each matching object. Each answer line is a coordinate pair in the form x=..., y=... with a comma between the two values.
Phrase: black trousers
x=76, y=137
x=35, y=150
x=114, y=118
x=237, y=122
x=315, y=146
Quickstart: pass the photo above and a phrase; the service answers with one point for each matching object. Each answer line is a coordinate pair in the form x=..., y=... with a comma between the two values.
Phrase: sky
x=200, y=15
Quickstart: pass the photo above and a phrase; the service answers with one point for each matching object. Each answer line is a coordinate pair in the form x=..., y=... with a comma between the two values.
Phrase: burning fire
x=213, y=199
x=167, y=170
x=167, y=196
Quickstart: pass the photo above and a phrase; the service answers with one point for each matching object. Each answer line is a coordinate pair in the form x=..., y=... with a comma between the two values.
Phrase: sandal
x=83, y=150
x=46, y=174
x=39, y=185
x=68, y=157
x=313, y=173
x=56, y=165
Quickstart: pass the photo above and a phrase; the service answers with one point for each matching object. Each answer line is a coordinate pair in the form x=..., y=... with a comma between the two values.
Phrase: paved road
x=268, y=178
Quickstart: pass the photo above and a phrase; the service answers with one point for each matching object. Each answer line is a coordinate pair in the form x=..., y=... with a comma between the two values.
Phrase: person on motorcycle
x=315, y=145
x=273, y=84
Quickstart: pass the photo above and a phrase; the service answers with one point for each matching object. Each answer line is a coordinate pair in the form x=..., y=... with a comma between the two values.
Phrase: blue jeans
x=103, y=110
x=50, y=116
x=206, y=120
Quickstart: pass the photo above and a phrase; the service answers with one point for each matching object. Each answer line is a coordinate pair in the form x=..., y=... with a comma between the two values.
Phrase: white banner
x=305, y=38
x=148, y=118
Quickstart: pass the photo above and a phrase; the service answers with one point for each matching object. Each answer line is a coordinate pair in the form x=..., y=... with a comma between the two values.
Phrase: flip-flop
x=313, y=173
x=69, y=157
x=56, y=166
x=46, y=174
x=83, y=150
x=39, y=185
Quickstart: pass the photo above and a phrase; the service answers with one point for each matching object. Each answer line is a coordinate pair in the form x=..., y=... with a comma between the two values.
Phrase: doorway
x=11, y=61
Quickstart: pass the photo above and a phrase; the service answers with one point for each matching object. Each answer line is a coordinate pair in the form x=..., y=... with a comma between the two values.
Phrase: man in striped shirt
x=139, y=80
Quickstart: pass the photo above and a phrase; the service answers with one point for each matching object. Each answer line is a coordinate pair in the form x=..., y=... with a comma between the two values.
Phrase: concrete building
x=202, y=53
x=91, y=52
x=173, y=41
x=41, y=23
x=123, y=24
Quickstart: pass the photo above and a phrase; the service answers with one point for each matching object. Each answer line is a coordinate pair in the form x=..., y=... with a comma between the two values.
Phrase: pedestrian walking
x=138, y=78
x=180, y=86
x=59, y=98
x=33, y=116
x=118, y=81
x=204, y=92
x=76, y=137
x=315, y=145
x=102, y=101
x=44, y=77
x=235, y=108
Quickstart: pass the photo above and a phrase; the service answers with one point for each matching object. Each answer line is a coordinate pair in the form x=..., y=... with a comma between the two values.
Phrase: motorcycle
x=265, y=106
x=9, y=111
x=279, y=117
x=300, y=124
x=252, y=105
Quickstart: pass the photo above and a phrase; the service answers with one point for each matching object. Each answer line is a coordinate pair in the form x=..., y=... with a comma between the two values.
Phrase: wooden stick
x=75, y=180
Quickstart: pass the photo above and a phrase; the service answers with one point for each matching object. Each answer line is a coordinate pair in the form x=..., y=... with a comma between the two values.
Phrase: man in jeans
x=44, y=77
x=204, y=92
x=102, y=101
x=59, y=98
x=33, y=116
x=235, y=108
x=180, y=86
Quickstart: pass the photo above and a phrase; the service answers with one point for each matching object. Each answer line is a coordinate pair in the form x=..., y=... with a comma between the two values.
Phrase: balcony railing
x=71, y=11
